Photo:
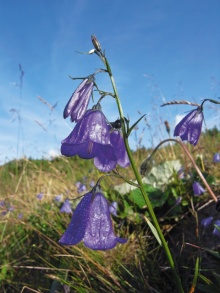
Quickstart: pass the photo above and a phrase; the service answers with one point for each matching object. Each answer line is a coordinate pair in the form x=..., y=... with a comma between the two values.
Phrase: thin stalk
x=141, y=186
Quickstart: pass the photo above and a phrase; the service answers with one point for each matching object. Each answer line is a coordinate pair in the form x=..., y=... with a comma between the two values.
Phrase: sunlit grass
x=31, y=228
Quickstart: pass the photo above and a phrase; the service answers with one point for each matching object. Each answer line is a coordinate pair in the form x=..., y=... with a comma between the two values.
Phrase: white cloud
x=53, y=153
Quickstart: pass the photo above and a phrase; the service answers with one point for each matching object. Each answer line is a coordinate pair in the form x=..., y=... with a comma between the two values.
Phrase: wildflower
x=66, y=207
x=91, y=222
x=206, y=222
x=216, y=230
x=78, y=103
x=197, y=189
x=181, y=173
x=80, y=187
x=189, y=128
x=40, y=195
x=92, y=183
x=216, y=158
x=92, y=137
x=113, y=208
x=58, y=197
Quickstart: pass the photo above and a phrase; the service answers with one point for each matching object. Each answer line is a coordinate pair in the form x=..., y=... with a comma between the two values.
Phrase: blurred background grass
x=33, y=261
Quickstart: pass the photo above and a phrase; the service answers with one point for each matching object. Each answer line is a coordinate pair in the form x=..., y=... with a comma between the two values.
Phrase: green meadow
x=32, y=260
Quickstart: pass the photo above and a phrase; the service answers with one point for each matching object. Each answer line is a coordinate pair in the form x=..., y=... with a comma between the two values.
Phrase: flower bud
x=96, y=43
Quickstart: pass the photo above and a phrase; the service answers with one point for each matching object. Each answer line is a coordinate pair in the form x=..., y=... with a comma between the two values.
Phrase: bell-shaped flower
x=216, y=230
x=78, y=103
x=66, y=207
x=206, y=222
x=198, y=189
x=189, y=128
x=216, y=158
x=91, y=222
x=40, y=195
x=92, y=137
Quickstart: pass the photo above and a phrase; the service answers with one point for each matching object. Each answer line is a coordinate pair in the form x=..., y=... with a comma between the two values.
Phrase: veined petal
x=105, y=159
x=119, y=146
x=82, y=105
x=189, y=128
x=92, y=127
x=99, y=233
x=73, y=99
x=77, y=227
x=83, y=150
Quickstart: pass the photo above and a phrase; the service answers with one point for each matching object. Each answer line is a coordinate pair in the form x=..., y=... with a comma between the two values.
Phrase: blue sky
x=159, y=51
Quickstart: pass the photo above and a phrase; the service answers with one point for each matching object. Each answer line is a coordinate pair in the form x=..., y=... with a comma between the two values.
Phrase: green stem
x=141, y=186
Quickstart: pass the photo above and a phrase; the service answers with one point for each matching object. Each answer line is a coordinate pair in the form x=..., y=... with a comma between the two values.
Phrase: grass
x=33, y=261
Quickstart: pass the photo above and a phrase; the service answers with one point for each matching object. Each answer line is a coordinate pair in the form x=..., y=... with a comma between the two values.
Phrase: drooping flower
x=198, y=189
x=216, y=158
x=206, y=222
x=91, y=222
x=78, y=103
x=66, y=207
x=189, y=128
x=40, y=195
x=216, y=230
x=113, y=208
x=93, y=137
x=20, y=216
x=80, y=187
x=58, y=198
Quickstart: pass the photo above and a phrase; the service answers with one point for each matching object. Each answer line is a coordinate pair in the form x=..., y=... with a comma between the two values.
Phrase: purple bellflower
x=216, y=158
x=198, y=189
x=91, y=222
x=93, y=137
x=58, y=198
x=80, y=187
x=216, y=230
x=66, y=207
x=78, y=103
x=40, y=195
x=206, y=222
x=189, y=128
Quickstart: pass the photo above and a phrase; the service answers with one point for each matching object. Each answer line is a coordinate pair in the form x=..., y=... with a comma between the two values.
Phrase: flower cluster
x=93, y=137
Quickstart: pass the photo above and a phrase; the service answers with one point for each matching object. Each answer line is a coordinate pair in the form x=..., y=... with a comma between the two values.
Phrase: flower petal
x=73, y=99
x=77, y=227
x=105, y=159
x=78, y=102
x=189, y=128
x=198, y=189
x=119, y=146
x=99, y=233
